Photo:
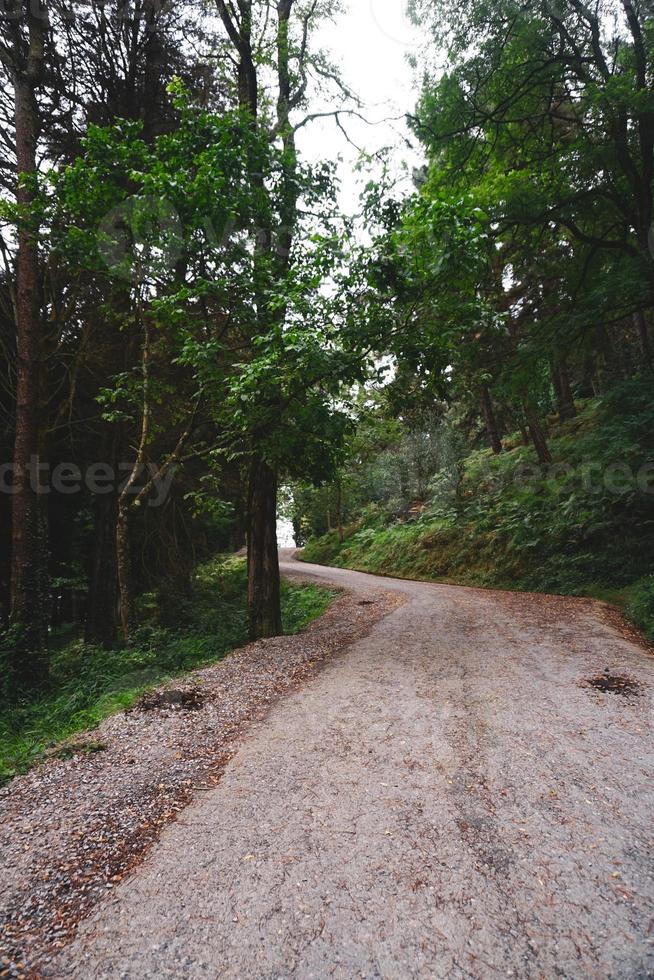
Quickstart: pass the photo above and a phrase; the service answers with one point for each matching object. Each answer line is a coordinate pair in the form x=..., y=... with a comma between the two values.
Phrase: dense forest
x=454, y=383
x=511, y=442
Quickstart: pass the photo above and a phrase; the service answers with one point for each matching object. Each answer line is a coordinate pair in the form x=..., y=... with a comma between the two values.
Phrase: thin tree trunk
x=101, y=612
x=640, y=323
x=490, y=419
x=609, y=361
x=28, y=603
x=517, y=419
x=131, y=497
x=123, y=549
x=537, y=435
x=339, y=510
x=264, y=603
x=154, y=63
x=124, y=569
x=564, y=398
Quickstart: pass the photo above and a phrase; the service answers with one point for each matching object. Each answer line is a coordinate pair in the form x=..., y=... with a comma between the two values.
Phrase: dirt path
x=446, y=800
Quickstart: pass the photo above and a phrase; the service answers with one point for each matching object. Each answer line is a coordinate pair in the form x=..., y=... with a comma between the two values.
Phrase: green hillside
x=583, y=525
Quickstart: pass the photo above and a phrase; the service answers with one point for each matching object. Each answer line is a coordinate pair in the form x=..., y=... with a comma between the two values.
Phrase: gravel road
x=450, y=798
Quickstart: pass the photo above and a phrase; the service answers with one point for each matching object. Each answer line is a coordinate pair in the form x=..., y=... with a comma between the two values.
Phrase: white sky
x=370, y=42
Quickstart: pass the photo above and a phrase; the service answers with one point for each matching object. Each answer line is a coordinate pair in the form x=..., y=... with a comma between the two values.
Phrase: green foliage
x=171, y=232
x=11, y=639
x=585, y=522
x=322, y=550
x=640, y=606
x=539, y=117
x=89, y=683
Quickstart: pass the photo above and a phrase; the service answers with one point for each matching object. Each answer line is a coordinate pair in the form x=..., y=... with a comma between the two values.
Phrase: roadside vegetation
x=88, y=683
x=583, y=525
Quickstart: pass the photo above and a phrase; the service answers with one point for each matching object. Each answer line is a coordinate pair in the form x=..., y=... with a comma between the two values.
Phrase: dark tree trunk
x=609, y=362
x=644, y=342
x=537, y=435
x=154, y=56
x=124, y=570
x=564, y=398
x=103, y=591
x=339, y=511
x=264, y=603
x=517, y=420
x=29, y=604
x=490, y=420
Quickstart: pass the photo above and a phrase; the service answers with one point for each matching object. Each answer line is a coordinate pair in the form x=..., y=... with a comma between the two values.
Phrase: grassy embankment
x=87, y=684
x=581, y=527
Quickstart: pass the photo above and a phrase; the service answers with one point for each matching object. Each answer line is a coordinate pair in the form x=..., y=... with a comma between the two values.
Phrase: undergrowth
x=584, y=526
x=89, y=683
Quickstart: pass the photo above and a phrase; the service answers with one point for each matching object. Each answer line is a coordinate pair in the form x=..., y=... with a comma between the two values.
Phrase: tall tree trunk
x=123, y=548
x=339, y=510
x=609, y=362
x=490, y=419
x=537, y=435
x=264, y=603
x=154, y=58
x=28, y=603
x=103, y=593
x=564, y=398
x=644, y=342
x=124, y=569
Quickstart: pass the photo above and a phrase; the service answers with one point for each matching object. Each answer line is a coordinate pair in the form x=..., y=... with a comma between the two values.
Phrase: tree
x=541, y=128
x=285, y=29
x=22, y=50
x=115, y=344
x=547, y=109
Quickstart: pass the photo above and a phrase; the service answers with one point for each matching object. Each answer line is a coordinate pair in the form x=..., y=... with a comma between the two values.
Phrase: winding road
x=448, y=798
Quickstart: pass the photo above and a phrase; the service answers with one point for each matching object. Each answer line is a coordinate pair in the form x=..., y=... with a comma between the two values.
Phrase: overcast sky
x=370, y=42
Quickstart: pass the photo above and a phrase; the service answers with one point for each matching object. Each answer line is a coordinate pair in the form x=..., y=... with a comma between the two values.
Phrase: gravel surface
x=71, y=829
x=452, y=799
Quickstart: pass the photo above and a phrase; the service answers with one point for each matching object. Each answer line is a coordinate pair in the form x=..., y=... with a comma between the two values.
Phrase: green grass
x=560, y=531
x=88, y=683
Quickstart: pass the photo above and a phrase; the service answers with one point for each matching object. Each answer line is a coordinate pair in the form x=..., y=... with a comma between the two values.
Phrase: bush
x=9, y=642
x=323, y=550
x=640, y=606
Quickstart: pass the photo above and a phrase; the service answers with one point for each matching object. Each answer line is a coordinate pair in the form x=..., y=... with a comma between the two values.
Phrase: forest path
x=448, y=799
